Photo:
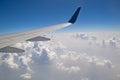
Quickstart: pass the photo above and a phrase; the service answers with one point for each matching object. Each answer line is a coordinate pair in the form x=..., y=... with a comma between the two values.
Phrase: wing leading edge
x=7, y=41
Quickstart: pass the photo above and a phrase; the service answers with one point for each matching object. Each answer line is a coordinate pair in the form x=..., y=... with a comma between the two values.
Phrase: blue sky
x=95, y=15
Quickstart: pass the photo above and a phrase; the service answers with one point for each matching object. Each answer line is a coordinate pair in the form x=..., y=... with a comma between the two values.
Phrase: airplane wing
x=34, y=35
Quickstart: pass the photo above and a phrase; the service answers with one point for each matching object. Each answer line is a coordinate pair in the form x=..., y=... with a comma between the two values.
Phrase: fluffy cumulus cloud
x=73, y=56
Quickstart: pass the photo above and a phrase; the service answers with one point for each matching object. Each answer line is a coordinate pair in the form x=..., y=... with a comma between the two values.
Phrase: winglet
x=75, y=15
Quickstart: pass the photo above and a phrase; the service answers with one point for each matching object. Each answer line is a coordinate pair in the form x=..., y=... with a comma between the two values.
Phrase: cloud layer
x=73, y=56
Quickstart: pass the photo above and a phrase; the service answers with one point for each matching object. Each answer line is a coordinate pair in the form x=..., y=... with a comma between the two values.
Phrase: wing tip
x=75, y=15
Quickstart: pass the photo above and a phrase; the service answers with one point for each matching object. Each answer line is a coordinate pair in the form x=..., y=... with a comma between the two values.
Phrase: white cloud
x=8, y=59
x=58, y=58
x=84, y=79
x=26, y=76
x=70, y=69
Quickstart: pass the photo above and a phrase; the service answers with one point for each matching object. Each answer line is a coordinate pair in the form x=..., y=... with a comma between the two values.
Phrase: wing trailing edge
x=34, y=35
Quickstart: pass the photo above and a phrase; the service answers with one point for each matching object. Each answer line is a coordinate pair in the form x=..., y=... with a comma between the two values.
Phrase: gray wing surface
x=34, y=35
